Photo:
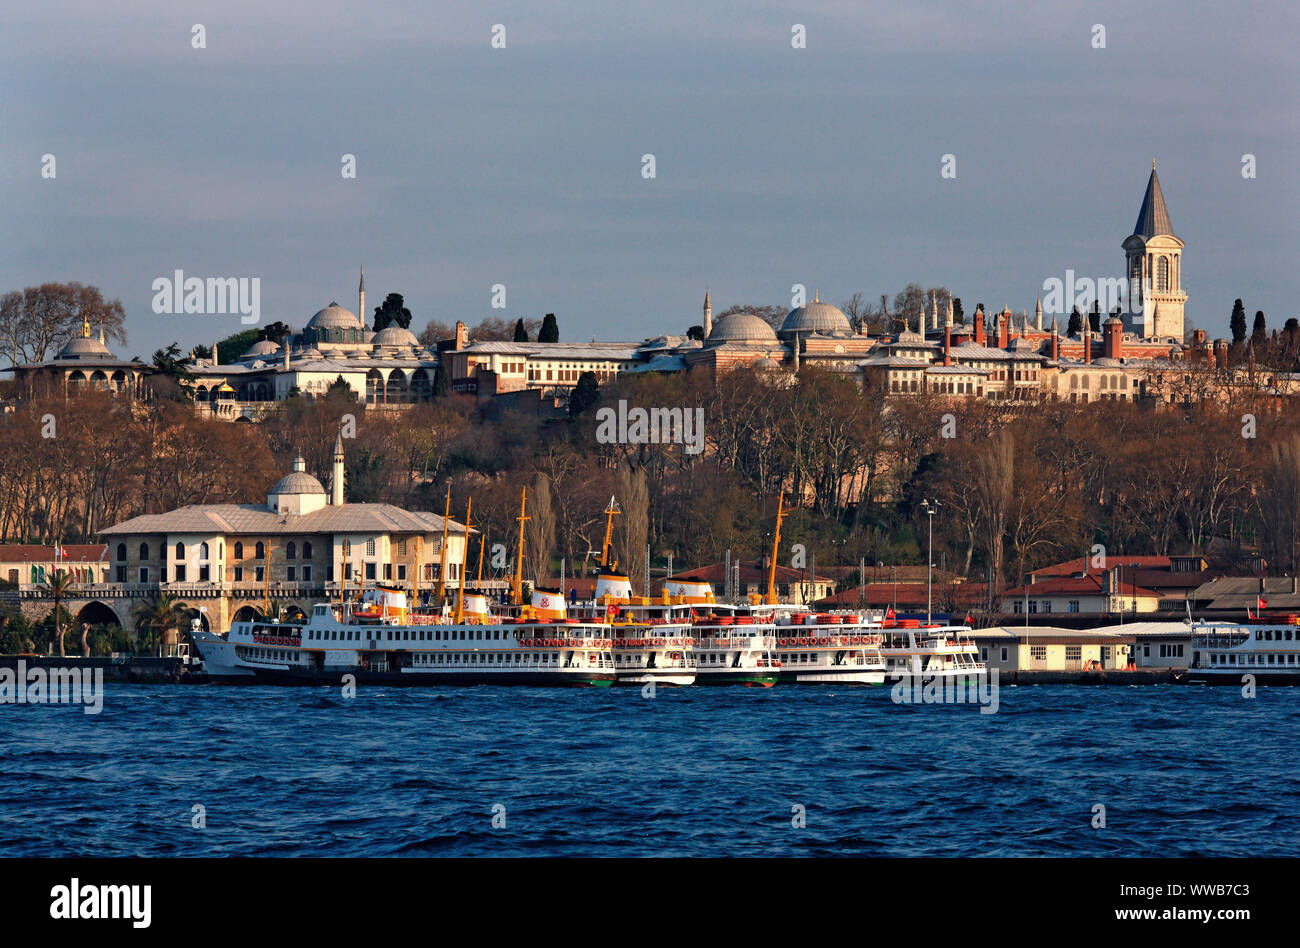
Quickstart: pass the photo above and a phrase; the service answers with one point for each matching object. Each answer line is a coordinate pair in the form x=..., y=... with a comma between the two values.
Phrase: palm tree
x=158, y=614
x=58, y=587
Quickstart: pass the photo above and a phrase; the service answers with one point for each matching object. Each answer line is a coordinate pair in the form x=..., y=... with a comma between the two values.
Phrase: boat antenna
x=442, y=568
x=464, y=561
x=610, y=512
x=517, y=590
x=776, y=543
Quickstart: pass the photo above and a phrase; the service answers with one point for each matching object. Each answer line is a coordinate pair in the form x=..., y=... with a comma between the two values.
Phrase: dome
x=264, y=347
x=83, y=347
x=766, y=364
x=741, y=327
x=817, y=317
x=395, y=336
x=334, y=316
x=298, y=481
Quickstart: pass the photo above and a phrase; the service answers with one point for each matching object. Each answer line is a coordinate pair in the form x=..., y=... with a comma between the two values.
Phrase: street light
x=931, y=507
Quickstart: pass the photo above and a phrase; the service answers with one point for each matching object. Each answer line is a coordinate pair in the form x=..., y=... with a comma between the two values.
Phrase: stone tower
x=708, y=315
x=1154, y=258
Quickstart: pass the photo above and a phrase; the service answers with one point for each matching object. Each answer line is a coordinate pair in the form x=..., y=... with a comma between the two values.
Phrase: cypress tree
x=521, y=333
x=1238, y=323
x=550, y=331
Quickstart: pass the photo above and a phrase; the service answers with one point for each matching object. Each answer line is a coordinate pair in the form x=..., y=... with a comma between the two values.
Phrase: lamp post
x=931, y=507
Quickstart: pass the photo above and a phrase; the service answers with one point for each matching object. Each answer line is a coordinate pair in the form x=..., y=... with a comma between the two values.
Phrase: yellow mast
x=776, y=542
x=442, y=569
x=517, y=592
x=464, y=561
x=481, y=543
x=347, y=562
x=610, y=511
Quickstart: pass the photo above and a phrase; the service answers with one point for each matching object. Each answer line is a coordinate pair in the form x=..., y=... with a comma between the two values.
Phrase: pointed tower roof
x=1153, y=219
x=361, y=288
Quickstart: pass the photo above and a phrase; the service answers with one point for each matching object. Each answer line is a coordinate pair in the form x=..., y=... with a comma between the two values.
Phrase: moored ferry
x=829, y=648
x=914, y=648
x=1266, y=648
x=377, y=640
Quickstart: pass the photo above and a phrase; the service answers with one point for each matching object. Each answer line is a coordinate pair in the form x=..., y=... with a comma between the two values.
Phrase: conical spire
x=362, y=287
x=1153, y=218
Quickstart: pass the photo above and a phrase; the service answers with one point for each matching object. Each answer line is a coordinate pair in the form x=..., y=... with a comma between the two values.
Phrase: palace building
x=84, y=363
x=303, y=545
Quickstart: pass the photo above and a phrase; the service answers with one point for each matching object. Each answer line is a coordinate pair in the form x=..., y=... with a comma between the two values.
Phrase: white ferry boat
x=378, y=641
x=829, y=648
x=1267, y=648
x=912, y=648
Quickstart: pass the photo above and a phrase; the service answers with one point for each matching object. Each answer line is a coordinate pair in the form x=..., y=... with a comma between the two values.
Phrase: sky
x=522, y=166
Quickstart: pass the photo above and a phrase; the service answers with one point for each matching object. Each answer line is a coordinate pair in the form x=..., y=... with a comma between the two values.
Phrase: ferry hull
x=831, y=677
x=753, y=678
x=579, y=678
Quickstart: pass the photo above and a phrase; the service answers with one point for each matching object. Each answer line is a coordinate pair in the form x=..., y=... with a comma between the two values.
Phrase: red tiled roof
x=878, y=595
x=1090, y=585
x=35, y=553
x=1084, y=564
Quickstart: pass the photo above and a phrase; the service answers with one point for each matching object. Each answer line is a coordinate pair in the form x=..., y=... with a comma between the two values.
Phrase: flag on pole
x=889, y=613
x=1260, y=602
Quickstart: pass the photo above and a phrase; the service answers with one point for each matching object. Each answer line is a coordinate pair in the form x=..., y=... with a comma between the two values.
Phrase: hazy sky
x=522, y=166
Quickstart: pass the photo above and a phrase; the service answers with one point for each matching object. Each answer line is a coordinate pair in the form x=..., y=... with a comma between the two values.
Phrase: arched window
x=239, y=550
x=259, y=551
x=306, y=549
x=203, y=551
x=1162, y=275
x=144, y=552
x=291, y=551
x=180, y=551
x=121, y=552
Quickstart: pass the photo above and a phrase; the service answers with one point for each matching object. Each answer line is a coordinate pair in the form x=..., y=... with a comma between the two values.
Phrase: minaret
x=1038, y=314
x=215, y=360
x=708, y=315
x=336, y=480
x=361, y=296
x=1056, y=341
x=947, y=334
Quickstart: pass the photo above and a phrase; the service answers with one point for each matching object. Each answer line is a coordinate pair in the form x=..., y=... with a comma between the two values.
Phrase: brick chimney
x=1113, y=338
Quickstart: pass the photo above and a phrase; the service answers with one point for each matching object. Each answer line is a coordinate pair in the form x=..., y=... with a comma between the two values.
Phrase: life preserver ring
x=824, y=641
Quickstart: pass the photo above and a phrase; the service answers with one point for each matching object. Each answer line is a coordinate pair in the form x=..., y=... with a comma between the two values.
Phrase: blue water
x=691, y=772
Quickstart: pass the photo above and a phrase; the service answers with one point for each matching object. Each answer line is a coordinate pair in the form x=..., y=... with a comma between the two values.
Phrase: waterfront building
x=1012, y=649
x=303, y=545
x=26, y=567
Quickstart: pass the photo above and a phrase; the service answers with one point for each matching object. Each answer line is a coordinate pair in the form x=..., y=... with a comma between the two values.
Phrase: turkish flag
x=1260, y=602
x=889, y=613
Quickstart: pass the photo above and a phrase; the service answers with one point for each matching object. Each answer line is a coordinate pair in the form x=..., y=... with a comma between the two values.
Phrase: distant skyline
x=522, y=166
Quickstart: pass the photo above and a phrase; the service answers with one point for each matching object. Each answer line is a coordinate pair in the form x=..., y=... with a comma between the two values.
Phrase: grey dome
x=741, y=327
x=264, y=347
x=83, y=347
x=766, y=364
x=817, y=317
x=298, y=482
x=395, y=336
x=334, y=316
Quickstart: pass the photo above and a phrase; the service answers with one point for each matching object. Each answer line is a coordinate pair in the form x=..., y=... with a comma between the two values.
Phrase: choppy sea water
x=1181, y=771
